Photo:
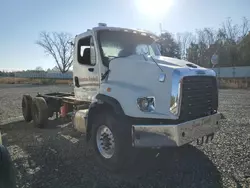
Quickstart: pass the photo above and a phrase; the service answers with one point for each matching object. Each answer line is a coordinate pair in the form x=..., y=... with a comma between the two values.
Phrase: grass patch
x=48, y=81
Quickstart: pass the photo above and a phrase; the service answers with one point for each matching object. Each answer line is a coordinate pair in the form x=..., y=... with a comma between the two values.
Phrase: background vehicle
x=126, y=95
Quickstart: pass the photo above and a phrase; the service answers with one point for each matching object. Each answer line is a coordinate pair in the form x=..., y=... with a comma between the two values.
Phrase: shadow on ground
x=57, y=156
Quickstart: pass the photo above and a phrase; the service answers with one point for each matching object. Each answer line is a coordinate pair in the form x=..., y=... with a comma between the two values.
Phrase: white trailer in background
x=126, y=95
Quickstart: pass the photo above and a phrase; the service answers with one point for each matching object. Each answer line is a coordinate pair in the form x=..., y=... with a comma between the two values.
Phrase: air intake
x=191, y=65
x=199, y=97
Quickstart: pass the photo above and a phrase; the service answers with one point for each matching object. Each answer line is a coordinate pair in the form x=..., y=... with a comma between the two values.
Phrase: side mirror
x=159, y=46
x=92, y=55
x=145, y=50
x=92, y=52
x=142, y=49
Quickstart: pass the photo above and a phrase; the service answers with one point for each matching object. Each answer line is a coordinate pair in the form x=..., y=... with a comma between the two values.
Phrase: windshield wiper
x=115, y=57
x=146, y=58
x=156, y=63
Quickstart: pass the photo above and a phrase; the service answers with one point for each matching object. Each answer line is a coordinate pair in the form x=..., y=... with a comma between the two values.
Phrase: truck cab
x=139, y=98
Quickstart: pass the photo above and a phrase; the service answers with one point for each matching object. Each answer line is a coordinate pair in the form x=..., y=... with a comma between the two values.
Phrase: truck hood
x=146, y=65
x=164, y=62
x=168, y=61
x=137, y=76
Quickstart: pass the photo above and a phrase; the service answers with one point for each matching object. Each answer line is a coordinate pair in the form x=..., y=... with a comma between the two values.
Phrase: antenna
x=160, y=28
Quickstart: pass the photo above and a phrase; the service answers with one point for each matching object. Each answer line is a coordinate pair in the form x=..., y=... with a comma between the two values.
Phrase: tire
x=39, y=112
x=122, y=154
x=26, y=107
x=7, y=173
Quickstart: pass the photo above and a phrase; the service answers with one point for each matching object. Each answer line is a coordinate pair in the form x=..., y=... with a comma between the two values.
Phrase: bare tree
x=184, y=40
x=245, y=27
x=209, y=36
x=59, y=47
x=231, y=31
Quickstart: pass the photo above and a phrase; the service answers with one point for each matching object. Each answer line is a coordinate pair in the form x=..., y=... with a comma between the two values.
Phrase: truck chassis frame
x=60, y=103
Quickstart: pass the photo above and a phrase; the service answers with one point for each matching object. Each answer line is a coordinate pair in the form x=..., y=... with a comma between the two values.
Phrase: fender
x=112, y=102
x=96, y=107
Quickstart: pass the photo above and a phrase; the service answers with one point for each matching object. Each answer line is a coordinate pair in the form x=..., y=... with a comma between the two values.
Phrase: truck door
x=85, y=69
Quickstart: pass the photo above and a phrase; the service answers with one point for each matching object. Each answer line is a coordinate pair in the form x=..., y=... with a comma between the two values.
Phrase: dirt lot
x=57, y=156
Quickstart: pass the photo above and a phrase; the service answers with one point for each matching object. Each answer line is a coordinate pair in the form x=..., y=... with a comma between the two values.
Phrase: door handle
x=91, y=69
x=77, y=82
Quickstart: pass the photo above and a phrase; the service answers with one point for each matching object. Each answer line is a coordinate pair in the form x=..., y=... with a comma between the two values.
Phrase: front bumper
x=174, y=135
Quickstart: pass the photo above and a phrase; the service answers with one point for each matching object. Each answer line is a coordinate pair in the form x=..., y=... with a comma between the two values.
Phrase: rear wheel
x=112, y=142
x=39, y=112
x=26, y=107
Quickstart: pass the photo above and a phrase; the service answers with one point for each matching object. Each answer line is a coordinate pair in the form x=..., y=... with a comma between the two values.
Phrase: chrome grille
x=199, y=97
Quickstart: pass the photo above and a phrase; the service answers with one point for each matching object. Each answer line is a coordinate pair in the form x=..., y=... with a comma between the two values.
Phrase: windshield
x=122, y=44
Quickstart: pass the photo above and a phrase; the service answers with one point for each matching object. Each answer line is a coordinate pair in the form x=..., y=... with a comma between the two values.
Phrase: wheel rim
x=105, y=141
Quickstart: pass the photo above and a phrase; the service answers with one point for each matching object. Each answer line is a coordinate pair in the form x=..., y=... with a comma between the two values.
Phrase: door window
x=86, y=51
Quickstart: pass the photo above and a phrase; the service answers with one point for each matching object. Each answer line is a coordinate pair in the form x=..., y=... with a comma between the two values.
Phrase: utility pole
x=160, y=28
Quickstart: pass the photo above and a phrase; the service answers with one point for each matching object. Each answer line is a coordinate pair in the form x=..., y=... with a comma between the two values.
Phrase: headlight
x=146, y=104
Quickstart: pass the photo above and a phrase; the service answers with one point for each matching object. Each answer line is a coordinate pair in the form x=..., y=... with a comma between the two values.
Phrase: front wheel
x=105, y=141
x=111, y=141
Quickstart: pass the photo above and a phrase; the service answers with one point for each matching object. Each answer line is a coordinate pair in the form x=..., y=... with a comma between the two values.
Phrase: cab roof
x=139, y=31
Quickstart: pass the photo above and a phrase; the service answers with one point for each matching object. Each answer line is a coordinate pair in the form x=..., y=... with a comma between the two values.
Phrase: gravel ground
x=11, y=97
x=57, y=155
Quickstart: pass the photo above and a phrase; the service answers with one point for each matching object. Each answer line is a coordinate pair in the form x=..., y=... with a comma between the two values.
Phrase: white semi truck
x=126, y=95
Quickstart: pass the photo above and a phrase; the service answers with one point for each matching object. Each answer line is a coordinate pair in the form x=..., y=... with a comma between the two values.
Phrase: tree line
x=231, y=42
x=12, y=73
x=7, y=74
